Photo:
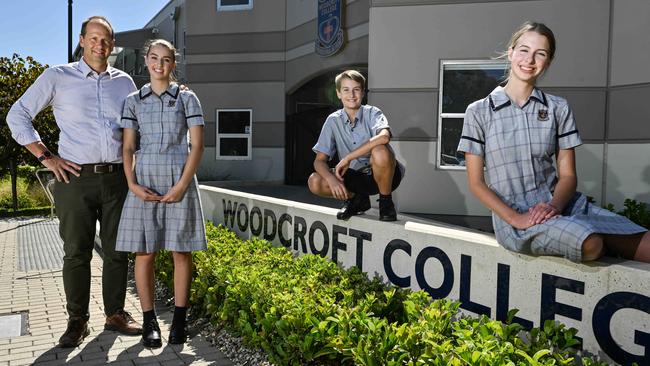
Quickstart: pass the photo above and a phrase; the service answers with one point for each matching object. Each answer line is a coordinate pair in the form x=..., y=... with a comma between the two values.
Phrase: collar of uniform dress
x=172, y=91
x=499, y=99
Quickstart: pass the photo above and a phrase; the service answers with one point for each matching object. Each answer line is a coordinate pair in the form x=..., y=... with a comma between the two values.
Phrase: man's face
x=350, y=94
x=97, y=43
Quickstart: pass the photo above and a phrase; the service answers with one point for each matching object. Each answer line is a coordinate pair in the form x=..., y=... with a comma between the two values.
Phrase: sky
x=39, y=28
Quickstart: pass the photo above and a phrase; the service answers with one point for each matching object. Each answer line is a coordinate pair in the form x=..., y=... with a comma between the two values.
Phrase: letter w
x=229, y=212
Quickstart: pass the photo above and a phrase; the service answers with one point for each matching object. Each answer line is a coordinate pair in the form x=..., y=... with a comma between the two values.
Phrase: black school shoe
x=387, y=209
x=356, y=205
x=177, y=335
x=151, y=335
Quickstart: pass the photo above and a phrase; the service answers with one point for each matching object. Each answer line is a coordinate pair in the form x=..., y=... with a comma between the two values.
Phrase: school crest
x=329, y=33
x=172, y=102
x=542, y=115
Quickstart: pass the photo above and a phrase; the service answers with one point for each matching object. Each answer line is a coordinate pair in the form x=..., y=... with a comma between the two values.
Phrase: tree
x=16, y=75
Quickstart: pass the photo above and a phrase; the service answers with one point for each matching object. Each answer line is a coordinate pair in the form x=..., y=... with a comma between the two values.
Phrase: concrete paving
x=39, y=294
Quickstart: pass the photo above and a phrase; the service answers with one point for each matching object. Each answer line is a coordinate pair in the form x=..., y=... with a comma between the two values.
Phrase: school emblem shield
x=542, y=115
x=172, y=102
x=329, y=33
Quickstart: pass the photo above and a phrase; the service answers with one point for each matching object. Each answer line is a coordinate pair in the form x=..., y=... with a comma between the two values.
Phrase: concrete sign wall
x=608, y=302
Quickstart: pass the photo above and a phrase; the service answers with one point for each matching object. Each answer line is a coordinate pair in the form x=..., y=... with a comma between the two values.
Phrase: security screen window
x=226, y=5
x=234, y=134
x=461, y=83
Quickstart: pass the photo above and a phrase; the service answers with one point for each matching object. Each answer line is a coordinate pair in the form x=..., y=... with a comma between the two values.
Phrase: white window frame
x=248, y=136
x=248, y=6
x=441, y=115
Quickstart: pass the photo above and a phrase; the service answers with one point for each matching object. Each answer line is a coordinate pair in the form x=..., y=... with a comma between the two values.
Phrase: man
x=87, y=98
x=367, y=165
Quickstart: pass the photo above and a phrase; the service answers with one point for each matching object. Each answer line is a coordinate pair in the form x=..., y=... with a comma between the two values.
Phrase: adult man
x=87, y=98
x=367, y=166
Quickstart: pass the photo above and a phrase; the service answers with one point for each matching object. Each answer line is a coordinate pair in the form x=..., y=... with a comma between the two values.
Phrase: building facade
x=266, y=92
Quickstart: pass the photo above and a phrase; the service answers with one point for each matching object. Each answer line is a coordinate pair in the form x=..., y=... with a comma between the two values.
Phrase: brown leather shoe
x=75, y=333
x=122, y=322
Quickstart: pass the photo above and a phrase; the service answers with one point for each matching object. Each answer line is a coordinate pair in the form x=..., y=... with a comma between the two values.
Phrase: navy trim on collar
x=539, y=95
x=501, y=106
x=148, y=93
x=171, y=88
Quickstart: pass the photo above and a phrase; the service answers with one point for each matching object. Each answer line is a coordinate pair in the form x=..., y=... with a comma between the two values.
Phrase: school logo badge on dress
x=542, y=115
x=171, y=103
x=329, y=33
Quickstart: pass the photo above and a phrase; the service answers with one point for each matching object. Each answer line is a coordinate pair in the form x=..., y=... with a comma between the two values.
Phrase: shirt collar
x=357, y=118
x=539, y=96
x=172, y=90
x=87, y=70
x=499, y=99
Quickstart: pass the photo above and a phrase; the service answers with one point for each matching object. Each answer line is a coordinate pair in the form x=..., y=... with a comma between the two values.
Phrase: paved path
x=39, y=293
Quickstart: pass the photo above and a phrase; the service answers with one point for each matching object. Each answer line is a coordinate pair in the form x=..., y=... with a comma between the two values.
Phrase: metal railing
x=46, y=178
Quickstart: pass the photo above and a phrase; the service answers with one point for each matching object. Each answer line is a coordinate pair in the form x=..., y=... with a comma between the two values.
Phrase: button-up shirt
x=342, y=136
x=87, y=108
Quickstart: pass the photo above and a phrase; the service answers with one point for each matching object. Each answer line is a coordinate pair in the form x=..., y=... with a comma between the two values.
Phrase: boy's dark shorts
x=359, y=182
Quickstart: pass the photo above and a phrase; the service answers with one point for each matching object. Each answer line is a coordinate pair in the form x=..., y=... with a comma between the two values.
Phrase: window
x=461, y=83
x=234, y=133
x=228, y=5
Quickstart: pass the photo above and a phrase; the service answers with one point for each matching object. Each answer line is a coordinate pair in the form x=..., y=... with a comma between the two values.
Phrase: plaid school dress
x=518, y=146
x=162, y=123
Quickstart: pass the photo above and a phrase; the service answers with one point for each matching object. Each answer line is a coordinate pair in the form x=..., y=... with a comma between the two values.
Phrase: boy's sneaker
x=387, y=209
x=356, y=205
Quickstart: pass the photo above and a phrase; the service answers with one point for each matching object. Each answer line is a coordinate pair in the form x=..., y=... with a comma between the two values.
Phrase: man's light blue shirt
x=87, y=108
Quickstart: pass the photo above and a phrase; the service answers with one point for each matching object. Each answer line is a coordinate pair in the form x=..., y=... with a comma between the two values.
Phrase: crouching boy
x=360, y=135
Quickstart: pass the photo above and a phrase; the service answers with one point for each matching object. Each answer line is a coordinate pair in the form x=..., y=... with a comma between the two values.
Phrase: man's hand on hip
x=61, y=167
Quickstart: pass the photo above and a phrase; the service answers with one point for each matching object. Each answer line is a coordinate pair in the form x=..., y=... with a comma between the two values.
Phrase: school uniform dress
x=518, y=146
x=162, y=123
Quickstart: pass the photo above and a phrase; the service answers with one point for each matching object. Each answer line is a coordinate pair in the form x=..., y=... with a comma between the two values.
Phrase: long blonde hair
x=529, y=26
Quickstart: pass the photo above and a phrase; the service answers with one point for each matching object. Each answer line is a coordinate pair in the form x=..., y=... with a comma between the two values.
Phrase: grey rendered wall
x=629, y=110
x=235, y=59
x=627, y=152
x=302, y=63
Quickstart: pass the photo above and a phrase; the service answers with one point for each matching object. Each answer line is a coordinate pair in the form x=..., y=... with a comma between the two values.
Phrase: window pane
x=234, y=2
x=451, y=130
x=233, y=146
x=234, y=121
x=463, y=84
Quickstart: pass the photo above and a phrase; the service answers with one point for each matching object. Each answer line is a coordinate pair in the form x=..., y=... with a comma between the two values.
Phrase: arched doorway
x=307, y=109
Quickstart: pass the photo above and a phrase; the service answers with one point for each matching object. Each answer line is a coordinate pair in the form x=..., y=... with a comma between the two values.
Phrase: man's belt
x=102, y=168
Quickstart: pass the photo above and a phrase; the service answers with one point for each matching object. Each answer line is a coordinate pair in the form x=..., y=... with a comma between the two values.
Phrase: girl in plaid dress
x=162, y=209
x=515, y=133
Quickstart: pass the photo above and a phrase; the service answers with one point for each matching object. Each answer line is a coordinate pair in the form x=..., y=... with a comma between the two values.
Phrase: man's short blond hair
x=352, y=75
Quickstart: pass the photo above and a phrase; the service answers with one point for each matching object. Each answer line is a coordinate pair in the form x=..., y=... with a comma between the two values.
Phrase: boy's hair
x=352, y=75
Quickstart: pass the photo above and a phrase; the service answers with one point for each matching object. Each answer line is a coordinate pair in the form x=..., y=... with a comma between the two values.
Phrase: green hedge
x=31, y=211
x=638, y=212
x=307, y=310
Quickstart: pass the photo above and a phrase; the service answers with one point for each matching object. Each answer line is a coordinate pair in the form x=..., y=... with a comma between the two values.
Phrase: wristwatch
x=46, y=155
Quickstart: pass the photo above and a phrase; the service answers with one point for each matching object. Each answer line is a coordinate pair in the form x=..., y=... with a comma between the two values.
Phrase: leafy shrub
x=30, y=192
x=637, y=212
x=308, y=311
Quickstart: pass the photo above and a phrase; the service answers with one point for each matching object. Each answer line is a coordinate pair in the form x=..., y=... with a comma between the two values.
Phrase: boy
x=360, y=136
